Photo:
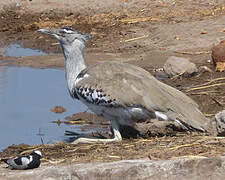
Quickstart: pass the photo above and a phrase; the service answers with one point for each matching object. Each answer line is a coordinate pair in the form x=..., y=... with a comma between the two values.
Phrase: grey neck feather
x=74, y=56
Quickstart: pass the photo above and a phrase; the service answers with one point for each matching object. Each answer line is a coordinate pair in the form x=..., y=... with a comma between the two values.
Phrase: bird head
x=66, y=35
x=37, y=152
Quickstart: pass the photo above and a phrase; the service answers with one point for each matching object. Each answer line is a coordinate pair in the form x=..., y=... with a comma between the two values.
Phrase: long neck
x=74, y=56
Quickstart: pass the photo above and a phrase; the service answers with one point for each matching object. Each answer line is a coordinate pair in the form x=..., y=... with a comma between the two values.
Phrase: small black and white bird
x=25, y=162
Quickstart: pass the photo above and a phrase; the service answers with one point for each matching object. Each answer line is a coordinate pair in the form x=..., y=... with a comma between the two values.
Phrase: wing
x=19, y=162
x=14, y=162
x=131, y=86
x=26, y=160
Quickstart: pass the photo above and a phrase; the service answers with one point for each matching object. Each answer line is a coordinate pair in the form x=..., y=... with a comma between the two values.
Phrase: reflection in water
x=2, y=74
x=1, y=77
x=15, y=50
x=26, y=96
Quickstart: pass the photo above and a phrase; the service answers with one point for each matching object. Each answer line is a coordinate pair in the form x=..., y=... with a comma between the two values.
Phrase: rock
x=218, y=56
x=156, y=128
x=179, y=66
x=58, y=109
x=193, y=167
x=218, y=122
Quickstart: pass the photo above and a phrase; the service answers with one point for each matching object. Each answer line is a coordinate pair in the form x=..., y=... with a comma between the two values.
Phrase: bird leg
x=116, y=133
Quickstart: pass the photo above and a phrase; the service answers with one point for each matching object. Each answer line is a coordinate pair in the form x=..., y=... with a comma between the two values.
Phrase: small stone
x=179, y=66
x=161, y=75
x=58, y=109
x=203, y=31
x=218, y=56
x=203, y=69
x=219, y=123
x=222, y=31
x=177, y=37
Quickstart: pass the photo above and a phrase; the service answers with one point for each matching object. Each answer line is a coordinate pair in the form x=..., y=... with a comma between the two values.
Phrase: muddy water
x=26, y=96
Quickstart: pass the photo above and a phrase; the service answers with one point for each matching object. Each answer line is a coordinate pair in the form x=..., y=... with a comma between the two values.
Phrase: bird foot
x=83, y=140
x=91, y=140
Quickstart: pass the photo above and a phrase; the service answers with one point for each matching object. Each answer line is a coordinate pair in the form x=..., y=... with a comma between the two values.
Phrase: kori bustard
x=122, y=93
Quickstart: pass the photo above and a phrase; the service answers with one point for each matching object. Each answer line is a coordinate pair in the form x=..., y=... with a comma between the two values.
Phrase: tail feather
x=194, y=120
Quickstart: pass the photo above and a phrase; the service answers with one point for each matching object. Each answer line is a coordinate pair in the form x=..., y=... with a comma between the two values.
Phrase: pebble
x=175, y=66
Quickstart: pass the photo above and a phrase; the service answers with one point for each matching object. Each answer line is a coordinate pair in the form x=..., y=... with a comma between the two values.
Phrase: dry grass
x=154, y=148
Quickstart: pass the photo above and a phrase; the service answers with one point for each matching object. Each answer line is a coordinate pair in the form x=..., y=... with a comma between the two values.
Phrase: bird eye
x=62, y=33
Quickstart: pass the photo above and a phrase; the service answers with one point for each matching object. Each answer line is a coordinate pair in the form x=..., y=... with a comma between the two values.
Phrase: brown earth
x=142, y=32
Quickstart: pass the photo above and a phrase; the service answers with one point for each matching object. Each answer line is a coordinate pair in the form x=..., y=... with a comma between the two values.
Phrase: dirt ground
x=144, y=33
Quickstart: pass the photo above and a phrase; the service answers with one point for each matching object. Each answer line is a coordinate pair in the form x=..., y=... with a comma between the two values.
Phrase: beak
x=47, y=31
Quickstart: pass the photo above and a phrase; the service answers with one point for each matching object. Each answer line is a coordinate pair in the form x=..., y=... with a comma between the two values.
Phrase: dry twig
x=141, y=19
x=212, y=80
x=204, y=87
x=137, y=38
x=193, y=53
x=178, y=75
x=183, y=145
